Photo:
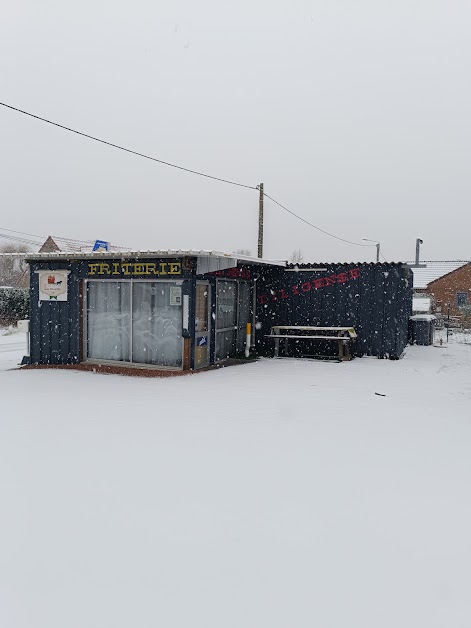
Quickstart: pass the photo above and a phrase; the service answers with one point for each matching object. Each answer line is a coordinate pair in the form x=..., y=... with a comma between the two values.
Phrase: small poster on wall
x=53, y=285
x=175, y=295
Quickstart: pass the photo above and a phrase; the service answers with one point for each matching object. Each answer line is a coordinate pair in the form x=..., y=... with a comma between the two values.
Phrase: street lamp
x=377, y=246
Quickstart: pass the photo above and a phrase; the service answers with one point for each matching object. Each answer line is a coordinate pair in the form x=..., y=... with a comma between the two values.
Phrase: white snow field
x=276, y=494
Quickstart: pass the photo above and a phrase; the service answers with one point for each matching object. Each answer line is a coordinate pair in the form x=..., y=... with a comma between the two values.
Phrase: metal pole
x=377, y=252
x=448, y=324
x=260, y=221
x=418, y=242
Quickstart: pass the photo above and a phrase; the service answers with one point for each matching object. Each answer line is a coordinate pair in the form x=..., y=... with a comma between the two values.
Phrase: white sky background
x=354, y=114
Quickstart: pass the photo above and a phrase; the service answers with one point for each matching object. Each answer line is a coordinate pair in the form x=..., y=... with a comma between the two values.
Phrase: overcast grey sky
x=354, y=113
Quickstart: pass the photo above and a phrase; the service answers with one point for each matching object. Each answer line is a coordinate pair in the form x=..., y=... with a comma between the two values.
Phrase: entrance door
x=202, y=324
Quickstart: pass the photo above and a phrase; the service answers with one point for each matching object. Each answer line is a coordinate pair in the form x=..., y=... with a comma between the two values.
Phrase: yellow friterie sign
x=134, y=269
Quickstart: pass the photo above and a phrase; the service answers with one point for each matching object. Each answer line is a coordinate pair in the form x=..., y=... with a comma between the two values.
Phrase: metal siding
x=35, y=318
x=378, y=312
x=212, y=336
x=375, y=304
x=189, y=288
x=55, y=330
x=72, y=342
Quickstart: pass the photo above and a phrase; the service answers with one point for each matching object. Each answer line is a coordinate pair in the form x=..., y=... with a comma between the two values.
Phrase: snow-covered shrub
x=14, y=305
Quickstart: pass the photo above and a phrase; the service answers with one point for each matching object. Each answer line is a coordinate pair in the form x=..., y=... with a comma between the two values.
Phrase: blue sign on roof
x=100, y=245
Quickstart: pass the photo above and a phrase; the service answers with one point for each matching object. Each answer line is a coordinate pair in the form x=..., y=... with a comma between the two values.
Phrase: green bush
x=14, y=305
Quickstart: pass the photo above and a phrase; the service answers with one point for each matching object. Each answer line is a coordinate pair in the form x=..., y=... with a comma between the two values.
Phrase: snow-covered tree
x=297, y=256
x=13, y=268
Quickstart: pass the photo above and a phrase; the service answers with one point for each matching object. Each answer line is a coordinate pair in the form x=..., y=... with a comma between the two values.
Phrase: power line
x=166, y=163
x=22, y=233
x=127, y=150
x=18, y=240
x=314, y=226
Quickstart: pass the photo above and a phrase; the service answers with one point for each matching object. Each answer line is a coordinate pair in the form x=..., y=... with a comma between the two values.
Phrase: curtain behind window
x=157, y=325
x=108, y=320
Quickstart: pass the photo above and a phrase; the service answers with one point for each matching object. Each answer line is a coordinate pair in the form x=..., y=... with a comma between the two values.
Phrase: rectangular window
x=109, y=320
x=244, y=314
x=461, y=299
x=226, y=304
x=226, y=319
x=134, y=321
x=156, y=324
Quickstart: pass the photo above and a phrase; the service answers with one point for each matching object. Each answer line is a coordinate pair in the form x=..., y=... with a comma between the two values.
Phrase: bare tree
x=13, y=268
x=246, y=252
x=297, y=256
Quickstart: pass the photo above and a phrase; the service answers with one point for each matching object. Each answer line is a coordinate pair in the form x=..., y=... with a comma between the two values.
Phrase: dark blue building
x=187, y=309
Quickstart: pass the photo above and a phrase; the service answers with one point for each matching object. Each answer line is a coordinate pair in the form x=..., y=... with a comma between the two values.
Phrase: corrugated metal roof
x=434, y=270
x=60, y=255
x=316, y=264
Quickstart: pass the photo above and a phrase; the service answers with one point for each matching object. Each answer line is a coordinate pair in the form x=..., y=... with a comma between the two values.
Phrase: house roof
x=66, y=245
x=434, y=270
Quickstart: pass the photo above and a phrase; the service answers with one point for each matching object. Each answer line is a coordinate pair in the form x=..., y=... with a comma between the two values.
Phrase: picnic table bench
x=342, y=335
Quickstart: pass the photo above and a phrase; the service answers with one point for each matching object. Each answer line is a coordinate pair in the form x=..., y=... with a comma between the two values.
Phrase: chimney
x=418, y=242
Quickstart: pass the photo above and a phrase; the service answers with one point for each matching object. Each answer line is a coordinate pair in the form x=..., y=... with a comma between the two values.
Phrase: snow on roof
x=68, y=245
x=423, y=317
x=434, y=270
x=127, y=253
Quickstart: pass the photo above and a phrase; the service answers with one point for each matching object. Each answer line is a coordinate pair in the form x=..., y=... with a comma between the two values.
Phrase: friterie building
x=166, y=309
x=185, y=310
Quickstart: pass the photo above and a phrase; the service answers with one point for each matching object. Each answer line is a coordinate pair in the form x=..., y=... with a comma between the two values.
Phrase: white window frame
x=122, y=362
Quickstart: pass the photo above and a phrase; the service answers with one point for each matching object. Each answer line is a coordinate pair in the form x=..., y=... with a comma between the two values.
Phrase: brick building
x=446, y=283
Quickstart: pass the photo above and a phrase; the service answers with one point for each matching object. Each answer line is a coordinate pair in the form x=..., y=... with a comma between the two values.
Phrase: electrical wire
x=57, y=239
x=166, y=163
x=23, y=233
x=314, y=226
x=18, y=240
x=127, y=150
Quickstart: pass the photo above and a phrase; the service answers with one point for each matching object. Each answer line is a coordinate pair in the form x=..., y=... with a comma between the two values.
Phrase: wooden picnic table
x=342, y=335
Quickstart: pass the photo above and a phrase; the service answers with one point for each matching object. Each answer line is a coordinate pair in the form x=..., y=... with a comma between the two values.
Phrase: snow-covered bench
x=344, y=336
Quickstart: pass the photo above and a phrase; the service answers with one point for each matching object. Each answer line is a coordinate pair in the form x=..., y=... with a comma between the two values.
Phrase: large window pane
x=226, y=304
x=244, y=315
x=225, y=344
x=108, y=320
x=201, y=307
x=157, y=323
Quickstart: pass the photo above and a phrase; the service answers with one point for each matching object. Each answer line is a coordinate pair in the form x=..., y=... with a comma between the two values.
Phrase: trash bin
x=422, y=329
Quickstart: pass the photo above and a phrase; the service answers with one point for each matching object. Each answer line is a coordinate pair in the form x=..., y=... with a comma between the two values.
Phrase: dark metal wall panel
x=375, y=299
x=55, y=333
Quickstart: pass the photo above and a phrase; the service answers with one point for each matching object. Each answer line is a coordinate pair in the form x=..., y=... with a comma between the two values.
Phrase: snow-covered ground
x=275, y=494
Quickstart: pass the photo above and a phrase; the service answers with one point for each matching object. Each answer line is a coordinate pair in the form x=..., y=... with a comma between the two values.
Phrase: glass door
x=202, y=324
x=157, y=323
x=226, y=319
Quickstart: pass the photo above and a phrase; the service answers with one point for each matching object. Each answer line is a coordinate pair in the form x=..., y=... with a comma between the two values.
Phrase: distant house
x=56, y=244
x=447, y=283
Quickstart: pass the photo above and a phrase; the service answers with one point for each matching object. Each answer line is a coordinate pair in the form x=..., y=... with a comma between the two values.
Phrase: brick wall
x=445, y=289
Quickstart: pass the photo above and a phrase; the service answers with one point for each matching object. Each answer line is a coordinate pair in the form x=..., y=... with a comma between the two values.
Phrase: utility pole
x=260, y=221
x=378, y=245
